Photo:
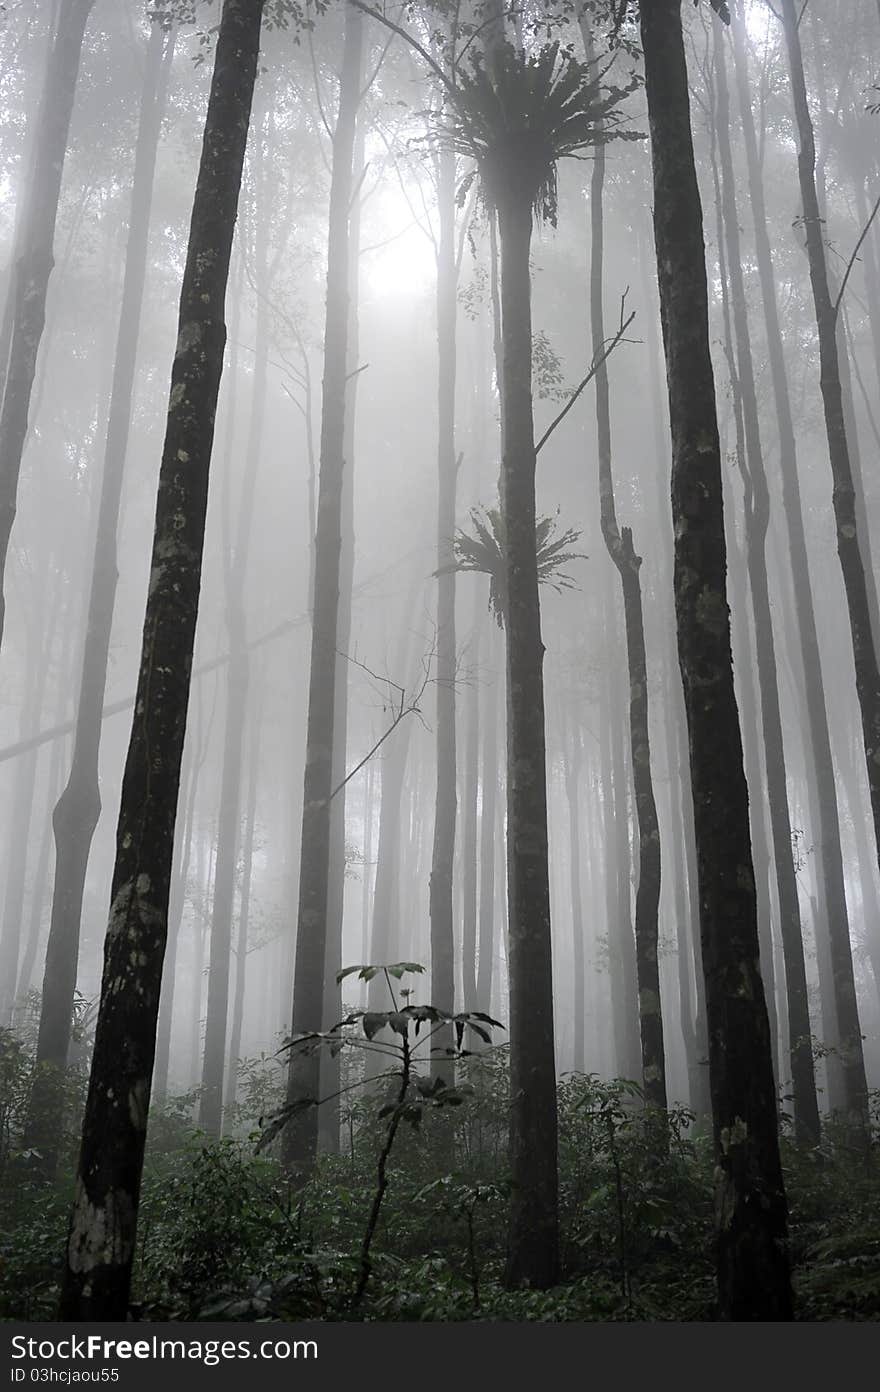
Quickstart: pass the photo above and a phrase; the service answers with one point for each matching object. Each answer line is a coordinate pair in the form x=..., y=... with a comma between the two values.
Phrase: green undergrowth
x=223, y=1235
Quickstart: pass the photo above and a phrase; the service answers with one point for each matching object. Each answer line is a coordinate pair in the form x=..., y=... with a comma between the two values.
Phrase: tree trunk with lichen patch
x=751, y=1213
x=101, y=1242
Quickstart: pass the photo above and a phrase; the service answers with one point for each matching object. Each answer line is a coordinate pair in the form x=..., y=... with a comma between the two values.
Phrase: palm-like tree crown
x=519, y=115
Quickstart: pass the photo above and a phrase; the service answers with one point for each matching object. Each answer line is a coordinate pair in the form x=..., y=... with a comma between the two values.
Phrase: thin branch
x=856, y=249
x=413, y=43
x=411, y=709
x=375, y=73
x=594, y=368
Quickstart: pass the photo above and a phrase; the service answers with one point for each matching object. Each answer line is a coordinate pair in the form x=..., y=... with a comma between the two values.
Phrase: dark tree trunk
x=237, y=687
x=533, y=1242
x=103, y=1225
x=470, y=786
x=328, y=1116
x=183, y=842
x=573, y=765
x=689, y=963
x=489, y=787
x=244, y=909
x=753, y=1272
x=617, y=860
x=78, y=809
x=757, y=514
x=621, y=550
x=445, y=808
x=848, y=550
x=31, y=275
x=833, y=921
x=300, y=1137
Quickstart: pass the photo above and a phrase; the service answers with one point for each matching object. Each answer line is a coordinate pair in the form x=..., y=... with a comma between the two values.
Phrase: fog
x=240, y=844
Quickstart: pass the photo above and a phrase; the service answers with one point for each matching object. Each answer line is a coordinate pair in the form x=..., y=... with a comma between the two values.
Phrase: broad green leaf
x=374, y=1020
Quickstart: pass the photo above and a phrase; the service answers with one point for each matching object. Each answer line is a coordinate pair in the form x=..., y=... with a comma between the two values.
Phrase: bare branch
x=856, y=249
x=411, y=709
x=598, y=360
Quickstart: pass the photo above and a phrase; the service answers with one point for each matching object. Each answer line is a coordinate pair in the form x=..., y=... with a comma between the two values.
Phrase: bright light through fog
x=398, y=252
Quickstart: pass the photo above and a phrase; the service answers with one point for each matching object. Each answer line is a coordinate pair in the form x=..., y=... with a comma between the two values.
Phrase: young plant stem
x=382, y=1176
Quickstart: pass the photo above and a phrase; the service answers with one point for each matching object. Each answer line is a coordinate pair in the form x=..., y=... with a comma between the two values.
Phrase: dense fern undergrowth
x=224, y=1235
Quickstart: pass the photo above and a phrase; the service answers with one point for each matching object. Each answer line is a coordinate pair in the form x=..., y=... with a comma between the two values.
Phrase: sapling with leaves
x=413, y=1089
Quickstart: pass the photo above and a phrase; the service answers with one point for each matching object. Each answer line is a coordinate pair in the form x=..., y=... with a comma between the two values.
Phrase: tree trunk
x=619, y=545
x=470, y=786
x=833, y=920
x=40, y=637
x=753, y=1272
x=445, y=809
x=533, y=1241
x=183, y=839
x=800, y=1044
x=300, y=1136
x=31, y=277
x=573, y=764
x=78, y=809
x=244, y=906
x=330, y=1077
x=852, y=567
x=104, y=1220
x=489, y=785
x=238, y=684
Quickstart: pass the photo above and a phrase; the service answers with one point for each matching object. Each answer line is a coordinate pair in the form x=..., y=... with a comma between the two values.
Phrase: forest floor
x=222, y=1234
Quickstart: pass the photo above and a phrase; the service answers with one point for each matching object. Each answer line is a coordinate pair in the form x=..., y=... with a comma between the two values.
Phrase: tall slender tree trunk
x=39, y=643
x=692, y=996
x=533, y=1241
x=617, y=861
x=848, y=550
x=183, y=842
x=753, y=1271
x=237, y=688
x=79, y=807
x=488, y=801
x=329, y=1114
x=800, y=1042
x=573, y=766
x=300, y=1137
x=31, y=276
x=445, y=809
x=619, y=544
x=104, y=1220
x=470, y=790
x=833, y=919
x=244, y=908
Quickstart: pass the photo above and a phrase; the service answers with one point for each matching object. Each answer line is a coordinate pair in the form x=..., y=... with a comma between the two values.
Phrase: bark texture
x=102, y=1235
x=533, y=1248
x=751, y=1214
x=757, y=522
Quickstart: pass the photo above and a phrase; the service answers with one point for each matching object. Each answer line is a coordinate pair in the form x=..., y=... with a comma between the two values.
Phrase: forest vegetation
x=439, y=685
